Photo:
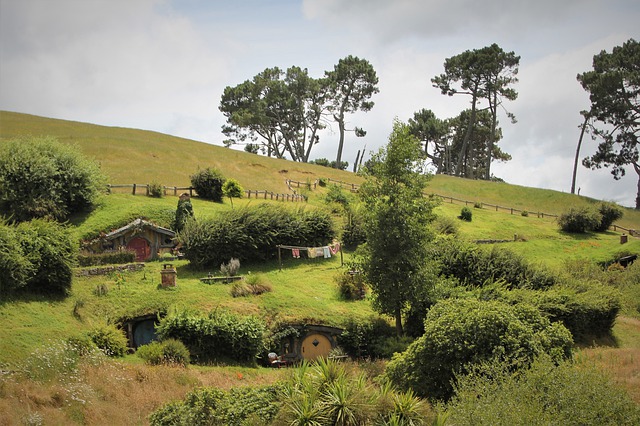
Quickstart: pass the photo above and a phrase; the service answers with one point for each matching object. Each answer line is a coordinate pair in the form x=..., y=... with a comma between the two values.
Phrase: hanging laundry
x=326, y=252
x=335, y=248
x=311, y=252
x=319, y=252
x=296, y=253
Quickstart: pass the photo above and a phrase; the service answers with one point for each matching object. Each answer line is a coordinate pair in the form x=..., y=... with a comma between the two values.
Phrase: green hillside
x=137, y=156
x=303, y=291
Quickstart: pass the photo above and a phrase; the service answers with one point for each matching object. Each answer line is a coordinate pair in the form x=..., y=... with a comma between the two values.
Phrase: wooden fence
x=143, y=189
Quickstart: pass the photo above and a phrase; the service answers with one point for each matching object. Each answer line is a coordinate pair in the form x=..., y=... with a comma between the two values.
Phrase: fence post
x=175, y=191
x=134, y=189
x=265, y=194
x=190, y=191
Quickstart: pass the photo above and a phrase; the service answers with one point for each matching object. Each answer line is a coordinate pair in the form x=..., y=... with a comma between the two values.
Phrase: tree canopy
x=487, y=74
x=351, y=83
x=614, y=91
x=283, y=111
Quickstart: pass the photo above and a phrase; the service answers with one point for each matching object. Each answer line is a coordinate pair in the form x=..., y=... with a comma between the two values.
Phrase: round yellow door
x=314, y=346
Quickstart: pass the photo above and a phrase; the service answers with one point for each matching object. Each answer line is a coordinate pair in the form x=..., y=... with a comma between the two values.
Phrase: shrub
x=365, y=338
x=545, y=393
x=101, y=289
x=474, y=265
x=52, y=251
x=208, y=184
x=328, y=393
x=354, y=232
x=209, y=406
x=110, y=340
x=477, y=205
x=351, y=286
x=107, y=258
x=42, y=178
x=524, y=213
x=252, y=284
x=217, y=336
x=579, y=220
x=155, y=190
x=251, y=234
x=184, y=212
x=169, y=352
x=445, y=225
x=322, y=181
x=586, y=313
x=610, y=213
x=232, y=189
x=336, y=195
x=466, y=214
x=15, y=265
x=460, y=333
x=230, y=269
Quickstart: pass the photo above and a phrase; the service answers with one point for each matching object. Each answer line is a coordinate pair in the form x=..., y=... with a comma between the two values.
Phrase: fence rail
x=139, y=189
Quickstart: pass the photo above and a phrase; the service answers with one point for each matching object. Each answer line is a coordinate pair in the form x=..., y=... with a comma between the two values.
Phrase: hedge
x=217, y=336
x=251, y=234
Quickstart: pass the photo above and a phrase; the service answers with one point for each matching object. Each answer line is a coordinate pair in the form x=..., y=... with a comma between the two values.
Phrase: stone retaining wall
x=105, y=270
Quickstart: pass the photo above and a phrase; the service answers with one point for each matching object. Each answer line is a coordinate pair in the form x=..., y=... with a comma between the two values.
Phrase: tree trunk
x=399, y=330
x=493, y=106
x=341, y=142
x=467, y=137
x=637, y=169
x=575, y=162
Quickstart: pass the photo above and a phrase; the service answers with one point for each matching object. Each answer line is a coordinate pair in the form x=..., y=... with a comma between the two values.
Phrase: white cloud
x=163, y=64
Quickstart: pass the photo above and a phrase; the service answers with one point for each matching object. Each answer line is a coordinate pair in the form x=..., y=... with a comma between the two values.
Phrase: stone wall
x=105, y=270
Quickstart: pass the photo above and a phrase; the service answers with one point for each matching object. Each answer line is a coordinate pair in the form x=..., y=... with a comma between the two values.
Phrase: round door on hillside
x=314, y=346
x=141, y=247
x=144, y=332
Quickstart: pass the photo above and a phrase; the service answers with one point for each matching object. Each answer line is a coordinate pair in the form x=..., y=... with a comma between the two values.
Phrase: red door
x=141, y=247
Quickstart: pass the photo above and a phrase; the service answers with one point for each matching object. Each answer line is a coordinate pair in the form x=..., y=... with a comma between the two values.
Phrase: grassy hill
x=138, y=156
x=304, y=290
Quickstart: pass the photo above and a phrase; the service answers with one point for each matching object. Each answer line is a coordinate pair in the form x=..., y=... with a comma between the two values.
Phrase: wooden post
x=175, y=191
x=134, y=189
x=190, y=191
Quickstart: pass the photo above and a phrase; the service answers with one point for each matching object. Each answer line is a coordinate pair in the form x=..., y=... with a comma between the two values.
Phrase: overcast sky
x=162, y=65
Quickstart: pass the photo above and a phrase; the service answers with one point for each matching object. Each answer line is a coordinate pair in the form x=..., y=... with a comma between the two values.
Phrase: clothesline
x=312, y=252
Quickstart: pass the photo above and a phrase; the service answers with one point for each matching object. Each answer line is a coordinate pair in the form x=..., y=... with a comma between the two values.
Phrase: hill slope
x=138, y=156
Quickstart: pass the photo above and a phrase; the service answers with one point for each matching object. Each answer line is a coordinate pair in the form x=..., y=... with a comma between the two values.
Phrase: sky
x=162, y=65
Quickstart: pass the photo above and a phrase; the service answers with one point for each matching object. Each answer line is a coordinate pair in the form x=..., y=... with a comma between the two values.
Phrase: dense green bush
x=251, y=234
x=351, y=286
x=543, y=394
x=169, y=352
x=610, y=213
x=208, y=184
x=587, y=312
x=460, y=333
x=475, y=266
x=445, y=225
x=110, y=340
x=353, y=231
x=217, y=336
x=15, y=266
x=155, y=190
x=49, y=247
x=366, y=338
x=42, y=178
x=107, y=258
x=212, y=406
x=184, y=213
x=579, y=220
x=466, y=214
